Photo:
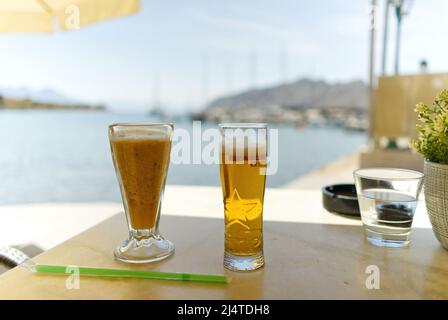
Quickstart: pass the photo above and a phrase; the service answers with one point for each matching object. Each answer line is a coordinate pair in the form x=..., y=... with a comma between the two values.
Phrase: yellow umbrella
x=25, y=16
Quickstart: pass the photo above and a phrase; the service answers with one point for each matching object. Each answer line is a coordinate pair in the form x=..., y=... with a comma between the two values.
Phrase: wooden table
x=309, y=254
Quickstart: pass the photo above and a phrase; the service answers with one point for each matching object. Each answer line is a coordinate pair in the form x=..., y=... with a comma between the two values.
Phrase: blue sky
x=184, y=53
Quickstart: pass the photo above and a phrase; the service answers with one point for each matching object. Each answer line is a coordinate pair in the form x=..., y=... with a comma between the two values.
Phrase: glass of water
x=387, y=198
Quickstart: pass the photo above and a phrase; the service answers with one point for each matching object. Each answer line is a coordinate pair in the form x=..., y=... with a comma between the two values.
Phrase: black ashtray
x=341, y=198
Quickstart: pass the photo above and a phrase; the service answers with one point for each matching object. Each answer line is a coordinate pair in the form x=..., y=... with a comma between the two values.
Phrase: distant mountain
x=44, y=95
x=304, y=93
x=24, y=98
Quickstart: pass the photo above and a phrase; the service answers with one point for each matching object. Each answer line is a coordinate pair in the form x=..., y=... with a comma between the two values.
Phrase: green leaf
x=432, y=141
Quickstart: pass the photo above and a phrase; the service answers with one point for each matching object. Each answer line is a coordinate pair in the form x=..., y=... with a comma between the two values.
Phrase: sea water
x=64, y=156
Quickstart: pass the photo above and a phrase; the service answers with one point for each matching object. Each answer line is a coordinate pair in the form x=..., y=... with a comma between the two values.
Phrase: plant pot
x=436, y=198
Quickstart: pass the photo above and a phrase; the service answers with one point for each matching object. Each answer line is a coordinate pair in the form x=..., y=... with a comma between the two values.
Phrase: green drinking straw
x=122, y=273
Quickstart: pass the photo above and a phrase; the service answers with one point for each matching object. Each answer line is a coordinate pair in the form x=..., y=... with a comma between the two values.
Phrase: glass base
x=144, y=250
x=390, y=240
x=243, y=263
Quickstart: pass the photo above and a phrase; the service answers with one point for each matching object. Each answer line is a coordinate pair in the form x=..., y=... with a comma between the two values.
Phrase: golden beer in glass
x=243, y=178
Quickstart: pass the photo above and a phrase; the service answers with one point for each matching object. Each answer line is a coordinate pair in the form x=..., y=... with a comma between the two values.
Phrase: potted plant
x=432, y=143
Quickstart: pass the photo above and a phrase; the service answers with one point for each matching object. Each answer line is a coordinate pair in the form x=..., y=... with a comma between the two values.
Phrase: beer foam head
x=243, y=149
x=139, y=134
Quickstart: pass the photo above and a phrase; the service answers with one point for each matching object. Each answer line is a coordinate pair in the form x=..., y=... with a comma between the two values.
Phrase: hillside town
x=303, y=103
x=348, y=118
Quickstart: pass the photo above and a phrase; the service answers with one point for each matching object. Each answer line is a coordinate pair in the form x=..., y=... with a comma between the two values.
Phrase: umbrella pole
x=373, y=5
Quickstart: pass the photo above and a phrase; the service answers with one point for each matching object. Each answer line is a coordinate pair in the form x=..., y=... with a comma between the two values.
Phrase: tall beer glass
x=141, y=155
x=243, y=177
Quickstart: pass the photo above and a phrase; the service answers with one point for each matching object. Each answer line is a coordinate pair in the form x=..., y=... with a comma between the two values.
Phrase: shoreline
x=27, y=103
